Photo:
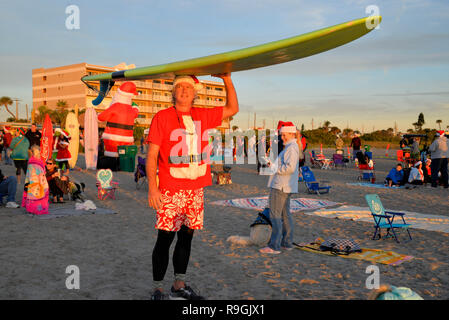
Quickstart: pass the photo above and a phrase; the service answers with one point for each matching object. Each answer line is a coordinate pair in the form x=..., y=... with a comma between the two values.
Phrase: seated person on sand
x=365, y=163
x=8, y=187
x=427, y=171
x=395, y=176
x=416, y=176
x=58, y=184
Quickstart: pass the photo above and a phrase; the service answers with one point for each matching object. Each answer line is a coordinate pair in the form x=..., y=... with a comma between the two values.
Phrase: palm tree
x=42, y=111
x=326, y=125
x=7, y=101
x=439, y=123
x=60, y=113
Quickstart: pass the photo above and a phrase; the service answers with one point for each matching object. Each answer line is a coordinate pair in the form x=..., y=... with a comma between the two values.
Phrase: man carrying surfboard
x=178, y=142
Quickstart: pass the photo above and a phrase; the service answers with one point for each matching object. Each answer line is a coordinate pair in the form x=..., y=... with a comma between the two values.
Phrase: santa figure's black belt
x=119, y=126
x=187, y=159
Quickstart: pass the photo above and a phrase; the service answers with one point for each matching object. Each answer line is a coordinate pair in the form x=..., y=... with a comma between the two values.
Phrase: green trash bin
x=127, y=156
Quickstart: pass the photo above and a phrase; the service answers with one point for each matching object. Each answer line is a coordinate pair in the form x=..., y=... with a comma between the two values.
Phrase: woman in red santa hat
x=120, y=116
x=63, y=156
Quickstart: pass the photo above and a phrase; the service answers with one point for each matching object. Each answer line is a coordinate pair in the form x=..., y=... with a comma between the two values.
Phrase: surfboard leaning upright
x=72, y=126
x=91, y=138
x=263, y=55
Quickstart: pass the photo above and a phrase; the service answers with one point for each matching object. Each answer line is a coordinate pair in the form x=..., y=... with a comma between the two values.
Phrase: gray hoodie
x=439, y=148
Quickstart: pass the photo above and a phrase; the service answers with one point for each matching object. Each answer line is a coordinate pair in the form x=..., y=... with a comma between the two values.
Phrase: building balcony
x=145, y=109
x=146, y=121
x=216, y=93
x=215, y=103
x=144, y=97
x=162, y=98
x=142, y=84
x=161, y=86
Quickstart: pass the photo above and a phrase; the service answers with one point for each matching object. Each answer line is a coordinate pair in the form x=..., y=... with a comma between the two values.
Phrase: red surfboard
x=47, y=139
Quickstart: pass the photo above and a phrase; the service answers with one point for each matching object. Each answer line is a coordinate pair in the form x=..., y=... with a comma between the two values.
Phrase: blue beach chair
x=385, y=219
x=312, y=185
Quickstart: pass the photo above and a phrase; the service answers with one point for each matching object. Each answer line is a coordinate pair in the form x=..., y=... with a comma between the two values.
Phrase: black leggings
x=21, y=164
x=181, y=254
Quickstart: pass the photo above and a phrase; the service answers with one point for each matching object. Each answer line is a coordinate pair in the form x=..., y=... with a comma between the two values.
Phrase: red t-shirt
x=167, y=130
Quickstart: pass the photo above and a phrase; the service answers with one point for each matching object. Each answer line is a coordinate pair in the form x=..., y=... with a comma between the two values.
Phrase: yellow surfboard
x=263, y=55
x=72, y=126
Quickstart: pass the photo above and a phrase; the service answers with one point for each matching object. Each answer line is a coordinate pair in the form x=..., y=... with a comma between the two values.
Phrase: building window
x=44, y=90
x=44, y=78
x=219, y=89
x=45, y=102
x=169, y=83
x=156, y=81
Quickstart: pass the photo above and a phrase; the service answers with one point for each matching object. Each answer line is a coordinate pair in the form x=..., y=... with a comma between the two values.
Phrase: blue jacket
x=396, y=176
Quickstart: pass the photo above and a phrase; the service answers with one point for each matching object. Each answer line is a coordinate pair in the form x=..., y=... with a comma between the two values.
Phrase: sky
x=388, y=76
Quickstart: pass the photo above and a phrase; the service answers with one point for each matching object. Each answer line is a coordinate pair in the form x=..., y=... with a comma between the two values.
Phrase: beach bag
x=262, y=218
x=340, y=246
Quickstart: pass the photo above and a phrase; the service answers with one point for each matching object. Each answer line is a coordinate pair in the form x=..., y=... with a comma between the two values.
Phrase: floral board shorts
x=183, y=207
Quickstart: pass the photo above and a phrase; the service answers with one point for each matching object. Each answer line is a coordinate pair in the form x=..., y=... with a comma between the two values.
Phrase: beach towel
x=372, y=255
x=58, y=211
x=35, y=195
x=374, y=185
x=428, y=222
x=260, y=203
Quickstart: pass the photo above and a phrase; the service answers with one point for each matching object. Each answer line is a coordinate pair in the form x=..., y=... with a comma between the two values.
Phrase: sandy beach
x=113, y=251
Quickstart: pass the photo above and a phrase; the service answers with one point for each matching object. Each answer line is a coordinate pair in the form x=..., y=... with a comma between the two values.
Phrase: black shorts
x=21, y=164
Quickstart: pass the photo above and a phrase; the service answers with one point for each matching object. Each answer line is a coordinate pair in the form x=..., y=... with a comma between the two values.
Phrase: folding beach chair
x=385, y=219
x=106, y=187
x=338, y=160
x=140, y=176
x=311, y=184
x=314, y=162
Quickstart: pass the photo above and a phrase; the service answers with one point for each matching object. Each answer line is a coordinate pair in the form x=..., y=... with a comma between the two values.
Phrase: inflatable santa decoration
x=120, y=118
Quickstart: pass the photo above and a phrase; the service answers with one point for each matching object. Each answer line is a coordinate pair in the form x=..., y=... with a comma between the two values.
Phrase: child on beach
x=416, y=176
x=395, y=176
x=283, y=184
x=63, y=156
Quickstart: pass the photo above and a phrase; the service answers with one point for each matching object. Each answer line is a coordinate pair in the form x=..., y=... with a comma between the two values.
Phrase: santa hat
x=65, y=134
x=288, y=127
x=7, y=128
x=441, y=132
x=418, y=163
x=189, y=79
x=125, y=93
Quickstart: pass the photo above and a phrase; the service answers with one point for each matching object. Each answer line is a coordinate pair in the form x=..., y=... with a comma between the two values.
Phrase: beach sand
x=113, y=251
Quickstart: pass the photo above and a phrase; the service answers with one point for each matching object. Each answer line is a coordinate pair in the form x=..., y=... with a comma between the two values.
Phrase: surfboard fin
x=105, y=87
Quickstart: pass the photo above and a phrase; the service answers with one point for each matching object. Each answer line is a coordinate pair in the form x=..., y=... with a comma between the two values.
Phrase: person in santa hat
x=120, y=116
x=63, y=156
x=283, y=183
x=179, y=148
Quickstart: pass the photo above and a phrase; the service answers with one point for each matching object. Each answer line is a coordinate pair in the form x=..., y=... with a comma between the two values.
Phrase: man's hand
x=155, y=199
x=222, y=75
